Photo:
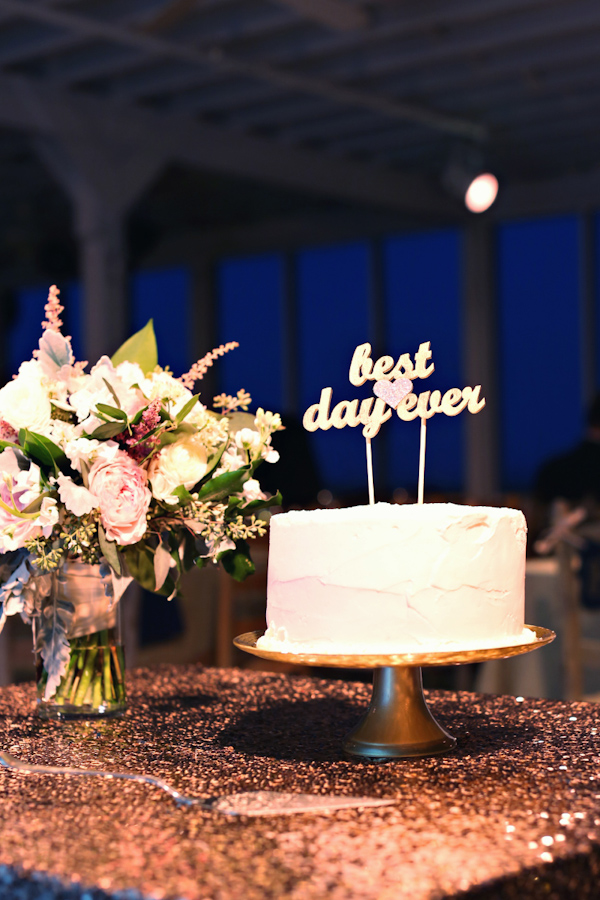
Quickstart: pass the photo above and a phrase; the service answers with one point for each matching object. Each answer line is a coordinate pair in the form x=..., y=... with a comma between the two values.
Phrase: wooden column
x=480, y=331
x=588, y=317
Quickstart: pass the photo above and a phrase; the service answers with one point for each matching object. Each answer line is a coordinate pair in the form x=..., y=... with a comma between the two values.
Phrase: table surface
x=513, y=812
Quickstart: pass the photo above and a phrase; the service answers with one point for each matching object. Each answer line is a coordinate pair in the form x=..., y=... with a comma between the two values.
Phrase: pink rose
x=121, y=488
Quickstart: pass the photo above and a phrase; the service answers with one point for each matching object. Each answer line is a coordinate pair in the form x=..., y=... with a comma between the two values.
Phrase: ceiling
x=355, y=101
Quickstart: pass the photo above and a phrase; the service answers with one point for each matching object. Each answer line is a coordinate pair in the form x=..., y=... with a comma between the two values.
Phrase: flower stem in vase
x=86, y=676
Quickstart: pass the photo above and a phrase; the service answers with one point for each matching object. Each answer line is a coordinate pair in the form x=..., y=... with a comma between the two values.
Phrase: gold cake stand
x=398, y=722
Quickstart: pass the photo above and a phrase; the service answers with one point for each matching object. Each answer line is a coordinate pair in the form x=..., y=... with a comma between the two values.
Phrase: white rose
x=24, y=402
x=183, y=463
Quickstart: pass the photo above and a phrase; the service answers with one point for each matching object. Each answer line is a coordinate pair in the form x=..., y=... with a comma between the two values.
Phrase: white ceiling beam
x=484, y=70
x=395, y=20
x=339, y=15
x=401, y=20
x=29, y=106
x=201, y=32
x=483, y=37
x=161, y=49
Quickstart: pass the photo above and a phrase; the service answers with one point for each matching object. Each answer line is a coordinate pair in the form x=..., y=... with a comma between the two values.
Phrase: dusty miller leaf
x=52, y=643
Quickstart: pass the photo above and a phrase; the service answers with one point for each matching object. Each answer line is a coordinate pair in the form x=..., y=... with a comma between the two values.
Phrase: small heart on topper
x=392, y=391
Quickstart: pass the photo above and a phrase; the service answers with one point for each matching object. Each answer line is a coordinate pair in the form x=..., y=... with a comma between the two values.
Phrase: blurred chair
x=241, y=605
x=197, y=605
x=16, y=652
x=579, y=573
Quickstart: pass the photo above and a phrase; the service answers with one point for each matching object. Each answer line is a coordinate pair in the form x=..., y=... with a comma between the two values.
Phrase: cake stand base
x=398, y=722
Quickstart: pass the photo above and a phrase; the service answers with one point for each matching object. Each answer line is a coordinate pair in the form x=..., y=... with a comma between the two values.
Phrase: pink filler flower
x=121, y=488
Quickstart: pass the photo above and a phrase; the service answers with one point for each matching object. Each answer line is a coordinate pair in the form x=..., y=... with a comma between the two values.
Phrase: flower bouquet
x=112, y=475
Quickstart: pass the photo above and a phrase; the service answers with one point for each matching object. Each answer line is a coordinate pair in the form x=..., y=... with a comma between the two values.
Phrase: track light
x=467, y=178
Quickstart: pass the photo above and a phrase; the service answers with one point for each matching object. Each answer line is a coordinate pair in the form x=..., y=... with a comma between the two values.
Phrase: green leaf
x=106, y=431
x=112, y=411
x=215, y=459
x=109, y=550
x=112, y=391
x=190, y=551
x=186, y=409
x=140, y=348
x=237, y=563
x=255, y=505
x=36, y=504
x=223, y=485
x=238, y=420
x=42, y=450
x=5, y=444
x=171, y=437
x=140, y=562
x=182, y=494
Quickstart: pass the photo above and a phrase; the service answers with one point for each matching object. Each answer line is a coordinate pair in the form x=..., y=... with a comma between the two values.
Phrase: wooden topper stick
x=422, y=460
x=370, y=472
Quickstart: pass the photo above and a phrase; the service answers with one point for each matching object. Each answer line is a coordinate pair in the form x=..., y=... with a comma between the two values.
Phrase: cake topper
x=393, y=390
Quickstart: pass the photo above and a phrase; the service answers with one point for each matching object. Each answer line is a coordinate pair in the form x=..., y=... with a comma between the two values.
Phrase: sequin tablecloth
x=514, y=812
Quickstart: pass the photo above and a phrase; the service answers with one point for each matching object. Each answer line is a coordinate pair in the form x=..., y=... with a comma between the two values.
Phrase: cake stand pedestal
x=398, y=722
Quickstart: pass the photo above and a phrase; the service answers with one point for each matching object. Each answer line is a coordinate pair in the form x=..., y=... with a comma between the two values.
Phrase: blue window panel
x=540, y=372
x=26, y=329
x=333, y=290
x=164, y=295
x=250, y=292
x=73, y=318
x=597, y=291
x=423, y=303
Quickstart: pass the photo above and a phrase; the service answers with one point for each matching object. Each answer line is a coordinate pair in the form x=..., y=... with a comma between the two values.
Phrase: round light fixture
x=481, y=192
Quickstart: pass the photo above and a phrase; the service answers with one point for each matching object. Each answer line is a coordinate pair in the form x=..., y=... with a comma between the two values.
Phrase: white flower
x=162, y=385
x=230, y=461
x=88, y=451
x=247, y=439
x=48, y=516
x=252, y=490
x=267, y=420
x=94, y=390
x=271, y=456
x=183, y=463
x=214, y=547
x=24, y=401
x=130, y=373
x=18, y=489
x=62, y=432
x=77, y=498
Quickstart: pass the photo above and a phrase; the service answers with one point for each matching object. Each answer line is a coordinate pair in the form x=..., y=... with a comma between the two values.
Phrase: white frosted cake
x=396, y=579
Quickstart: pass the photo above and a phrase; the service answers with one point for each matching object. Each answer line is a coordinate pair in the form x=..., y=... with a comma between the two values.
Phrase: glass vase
x=79, y=654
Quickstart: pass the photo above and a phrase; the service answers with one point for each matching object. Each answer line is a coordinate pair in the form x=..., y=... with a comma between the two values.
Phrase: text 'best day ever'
x=393, y=387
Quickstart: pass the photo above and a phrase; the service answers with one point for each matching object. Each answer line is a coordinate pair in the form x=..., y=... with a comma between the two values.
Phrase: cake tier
x=392, y=578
